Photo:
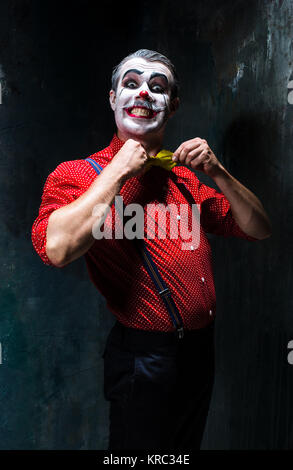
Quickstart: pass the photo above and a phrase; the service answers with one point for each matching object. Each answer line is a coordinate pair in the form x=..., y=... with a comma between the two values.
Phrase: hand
x=132, y=158
x=196, y=154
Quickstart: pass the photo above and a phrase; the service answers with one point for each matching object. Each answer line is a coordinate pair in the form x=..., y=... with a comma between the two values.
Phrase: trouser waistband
x=135, y=339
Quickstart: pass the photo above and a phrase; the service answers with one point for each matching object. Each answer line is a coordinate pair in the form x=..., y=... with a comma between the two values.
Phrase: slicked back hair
x=151, y=56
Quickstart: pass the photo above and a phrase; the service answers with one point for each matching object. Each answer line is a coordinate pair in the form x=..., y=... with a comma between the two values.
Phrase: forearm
x=69, y=231
x=246, y=208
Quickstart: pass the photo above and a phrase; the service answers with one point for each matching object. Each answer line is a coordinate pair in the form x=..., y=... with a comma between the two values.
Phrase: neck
x=151, y=143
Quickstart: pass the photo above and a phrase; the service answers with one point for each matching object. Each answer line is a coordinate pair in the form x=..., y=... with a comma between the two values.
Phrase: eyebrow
x=157, y=74
x=139, y=72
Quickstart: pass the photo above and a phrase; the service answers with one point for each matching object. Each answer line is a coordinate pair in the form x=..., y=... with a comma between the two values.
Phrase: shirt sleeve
x=65, y=184
x=216, y=214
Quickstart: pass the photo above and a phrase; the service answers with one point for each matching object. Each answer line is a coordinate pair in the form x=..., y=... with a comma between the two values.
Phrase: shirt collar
x=116, y=144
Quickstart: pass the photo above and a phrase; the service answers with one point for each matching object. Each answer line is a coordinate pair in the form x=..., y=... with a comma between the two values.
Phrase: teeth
x=140, y=112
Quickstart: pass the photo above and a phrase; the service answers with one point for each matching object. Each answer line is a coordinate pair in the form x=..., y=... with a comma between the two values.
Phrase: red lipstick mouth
x=140, y=112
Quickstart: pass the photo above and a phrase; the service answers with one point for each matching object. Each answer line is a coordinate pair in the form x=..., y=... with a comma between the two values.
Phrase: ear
x=112, y=99
x=174, y=105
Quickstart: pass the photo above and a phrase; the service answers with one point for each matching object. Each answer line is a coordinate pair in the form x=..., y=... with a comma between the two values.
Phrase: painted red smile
x=140, y=112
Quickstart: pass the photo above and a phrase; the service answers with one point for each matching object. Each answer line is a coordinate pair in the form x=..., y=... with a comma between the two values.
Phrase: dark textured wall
x=235, y=62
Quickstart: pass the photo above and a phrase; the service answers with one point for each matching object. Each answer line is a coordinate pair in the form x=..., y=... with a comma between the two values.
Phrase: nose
x=144, y=94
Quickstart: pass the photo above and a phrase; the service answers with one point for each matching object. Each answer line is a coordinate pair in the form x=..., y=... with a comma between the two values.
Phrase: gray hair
x=151, y=56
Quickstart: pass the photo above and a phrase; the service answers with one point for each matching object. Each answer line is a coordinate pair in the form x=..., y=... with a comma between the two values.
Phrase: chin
x=141, y=131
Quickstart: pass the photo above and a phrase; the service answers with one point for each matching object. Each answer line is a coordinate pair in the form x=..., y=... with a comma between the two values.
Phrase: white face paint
x=142, y=100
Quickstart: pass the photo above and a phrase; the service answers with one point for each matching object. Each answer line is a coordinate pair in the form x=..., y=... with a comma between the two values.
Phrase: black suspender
x=153, y=271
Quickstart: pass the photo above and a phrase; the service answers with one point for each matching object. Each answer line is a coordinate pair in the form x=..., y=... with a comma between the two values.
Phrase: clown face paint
x=142, y=100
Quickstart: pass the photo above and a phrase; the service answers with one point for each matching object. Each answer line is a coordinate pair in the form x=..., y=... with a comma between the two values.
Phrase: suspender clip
x=165, y=292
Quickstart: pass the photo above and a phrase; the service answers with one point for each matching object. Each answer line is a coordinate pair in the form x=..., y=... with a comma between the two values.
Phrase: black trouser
x=159, y=387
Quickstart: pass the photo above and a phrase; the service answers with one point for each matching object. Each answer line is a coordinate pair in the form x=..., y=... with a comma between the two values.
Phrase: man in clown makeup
x=159, y=355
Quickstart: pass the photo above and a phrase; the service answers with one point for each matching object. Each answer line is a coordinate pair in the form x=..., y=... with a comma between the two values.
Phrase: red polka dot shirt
x=115, y=266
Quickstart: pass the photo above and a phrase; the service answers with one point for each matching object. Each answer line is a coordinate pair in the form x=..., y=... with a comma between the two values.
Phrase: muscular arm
x=246, y=208
x=69, y=231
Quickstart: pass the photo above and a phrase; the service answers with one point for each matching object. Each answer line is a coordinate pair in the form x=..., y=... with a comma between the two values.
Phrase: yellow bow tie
x=163, y=159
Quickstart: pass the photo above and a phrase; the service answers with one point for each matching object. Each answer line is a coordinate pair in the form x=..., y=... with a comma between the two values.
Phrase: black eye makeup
x=154, y=87
x=130, y=83
x=157, y=88
x=158, y=83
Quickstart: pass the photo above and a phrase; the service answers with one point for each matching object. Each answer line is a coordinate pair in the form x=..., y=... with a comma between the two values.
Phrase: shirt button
x=203, y=279
x=191, y=247
x=210, y=312
x=178, y=217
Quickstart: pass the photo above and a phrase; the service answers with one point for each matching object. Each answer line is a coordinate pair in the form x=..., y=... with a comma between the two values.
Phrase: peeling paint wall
x=234, y=59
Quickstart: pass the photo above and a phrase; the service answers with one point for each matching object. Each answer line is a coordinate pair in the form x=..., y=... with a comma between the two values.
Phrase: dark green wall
x=234, y=59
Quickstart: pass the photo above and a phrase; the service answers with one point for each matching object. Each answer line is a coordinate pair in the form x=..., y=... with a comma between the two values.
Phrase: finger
x=192, y=142
x=186, y=149
x=177, y=153
x=193, y=154
x=197, y=162
x=189, y=145
x=183, y=153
